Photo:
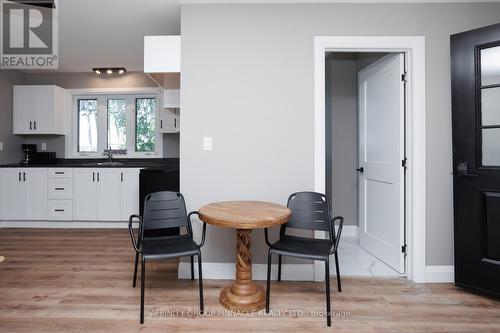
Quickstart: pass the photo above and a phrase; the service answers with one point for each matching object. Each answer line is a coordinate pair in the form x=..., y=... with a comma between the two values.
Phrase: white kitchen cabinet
x=96, y=194
x=24, y=193
x=171, y=98
x=162, y=54
x=84, y=194
x=38, y=109
x=108, y=194
x=12, y=194
x=170, y=121
x=35, y=180
x=129, y=192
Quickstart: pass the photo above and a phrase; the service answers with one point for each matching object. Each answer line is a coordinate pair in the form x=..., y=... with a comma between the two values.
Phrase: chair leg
x=268, y=285
x=143, y=280
x=200, y=280
x=279, y=267
x=192, y=267
x=327, y=280
x=135, y=269
x=339, y=286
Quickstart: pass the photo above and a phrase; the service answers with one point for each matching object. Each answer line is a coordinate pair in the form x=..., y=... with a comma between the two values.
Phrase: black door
x=475, y=76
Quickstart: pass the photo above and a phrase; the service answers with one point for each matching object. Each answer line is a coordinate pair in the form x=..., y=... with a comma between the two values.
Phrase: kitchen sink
x=105, y=164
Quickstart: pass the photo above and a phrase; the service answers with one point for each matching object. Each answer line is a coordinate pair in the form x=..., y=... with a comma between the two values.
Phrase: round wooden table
x=244, y=216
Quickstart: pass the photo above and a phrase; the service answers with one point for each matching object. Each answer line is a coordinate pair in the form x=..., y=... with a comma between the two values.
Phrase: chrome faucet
x=109, y=154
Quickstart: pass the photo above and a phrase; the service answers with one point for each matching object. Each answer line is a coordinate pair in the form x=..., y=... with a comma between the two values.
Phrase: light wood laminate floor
x=67, y=280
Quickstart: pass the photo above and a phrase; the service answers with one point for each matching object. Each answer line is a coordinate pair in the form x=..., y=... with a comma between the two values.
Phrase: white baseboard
x=350, y=231
x=439, y=274
x=226, y=271
x=64, y=224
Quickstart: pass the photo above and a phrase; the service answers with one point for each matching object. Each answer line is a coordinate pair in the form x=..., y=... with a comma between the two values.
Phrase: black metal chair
x=165, y=210
x=310, y=211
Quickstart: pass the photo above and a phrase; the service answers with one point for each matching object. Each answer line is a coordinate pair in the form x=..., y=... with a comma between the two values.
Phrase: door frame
x=414, y=48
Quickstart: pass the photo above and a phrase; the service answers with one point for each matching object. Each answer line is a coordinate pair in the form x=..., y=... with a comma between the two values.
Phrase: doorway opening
x=414, y=49
x=365, y=152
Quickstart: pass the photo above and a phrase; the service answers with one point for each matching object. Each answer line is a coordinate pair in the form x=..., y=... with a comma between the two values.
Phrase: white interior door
x=381, y=151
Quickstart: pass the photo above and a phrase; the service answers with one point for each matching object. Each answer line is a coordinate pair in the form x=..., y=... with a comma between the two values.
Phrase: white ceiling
x=100, y=33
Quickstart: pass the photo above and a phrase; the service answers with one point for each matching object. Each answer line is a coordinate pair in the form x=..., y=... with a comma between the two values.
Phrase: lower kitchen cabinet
x=12, y=194
x=84, y=194
x=79, y=194
x=24, y=193
x=129, y=192
x=108, y=194
x=105, y=194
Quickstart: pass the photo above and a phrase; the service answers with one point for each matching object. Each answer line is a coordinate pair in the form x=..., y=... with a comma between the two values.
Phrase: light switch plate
x=207, y=143
x=44, y=146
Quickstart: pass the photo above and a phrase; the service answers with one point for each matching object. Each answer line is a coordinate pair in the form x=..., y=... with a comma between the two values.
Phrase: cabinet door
x=84, y=194
x=12, y=194
x=169, y=121
x=23, y=115
x=44, y=97
x=35, y=194
x=129, y=193
x=108, y=194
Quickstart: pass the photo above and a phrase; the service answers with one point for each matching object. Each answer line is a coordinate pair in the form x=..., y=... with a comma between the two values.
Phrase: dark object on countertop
x=156, y=179
x=165, y=210
x=29, y=154
x=45, y=158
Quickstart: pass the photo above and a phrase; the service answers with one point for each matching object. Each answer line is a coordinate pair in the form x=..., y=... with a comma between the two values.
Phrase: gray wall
x=91, y=80
x=342, y=121
x=344, y=124
x=247, y=81
x=11, y=144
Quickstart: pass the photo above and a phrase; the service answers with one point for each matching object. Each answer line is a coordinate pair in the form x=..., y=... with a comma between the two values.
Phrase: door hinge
x=404, y=77
x=403, y=249
x=404, y=163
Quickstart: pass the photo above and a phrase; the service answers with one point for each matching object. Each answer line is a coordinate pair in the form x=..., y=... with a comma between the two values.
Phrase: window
x=117, y=124
x=145, y=124
x=126, y=123
x=87, y=122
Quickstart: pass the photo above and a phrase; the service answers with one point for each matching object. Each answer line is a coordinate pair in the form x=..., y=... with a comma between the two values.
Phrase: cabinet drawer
x=60, y=210
x=60, y=189
x=60, y=173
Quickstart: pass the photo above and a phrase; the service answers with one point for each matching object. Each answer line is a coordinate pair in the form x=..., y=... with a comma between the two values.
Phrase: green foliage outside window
x=145, y=124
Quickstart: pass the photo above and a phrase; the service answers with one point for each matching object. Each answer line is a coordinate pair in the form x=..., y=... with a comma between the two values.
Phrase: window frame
x=102, y=96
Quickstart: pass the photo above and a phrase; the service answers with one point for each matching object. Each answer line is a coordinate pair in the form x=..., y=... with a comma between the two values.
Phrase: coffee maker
x=29, y=154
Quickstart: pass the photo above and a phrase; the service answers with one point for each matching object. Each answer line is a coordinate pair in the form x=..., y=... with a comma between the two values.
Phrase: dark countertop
x=153, y=163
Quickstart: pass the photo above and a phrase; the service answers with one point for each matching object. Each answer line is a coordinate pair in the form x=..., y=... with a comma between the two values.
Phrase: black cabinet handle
x=59, y=188
x=34, y=125
x=161, y=123
x=360, y=170
x=24, y=176
x=468, y=175
x=58, y=210
x=19, y=176
x=93, y=176
x=98, y=178
x=59, y=172
x=31, y=125
x=175, y=122
x=121, y=176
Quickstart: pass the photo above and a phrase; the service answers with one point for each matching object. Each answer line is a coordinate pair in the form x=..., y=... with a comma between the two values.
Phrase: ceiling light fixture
x=109, y=70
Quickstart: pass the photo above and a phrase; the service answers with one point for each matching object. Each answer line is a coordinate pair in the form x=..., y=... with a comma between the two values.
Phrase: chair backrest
x=310, y=211
x=164, y=210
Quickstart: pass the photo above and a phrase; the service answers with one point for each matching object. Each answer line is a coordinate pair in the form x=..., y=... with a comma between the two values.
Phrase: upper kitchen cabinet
x=38, y=110
x=172, y=99
x=162, y=54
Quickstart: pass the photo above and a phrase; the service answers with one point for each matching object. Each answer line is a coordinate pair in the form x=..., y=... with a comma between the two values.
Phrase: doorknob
x=360, y=170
